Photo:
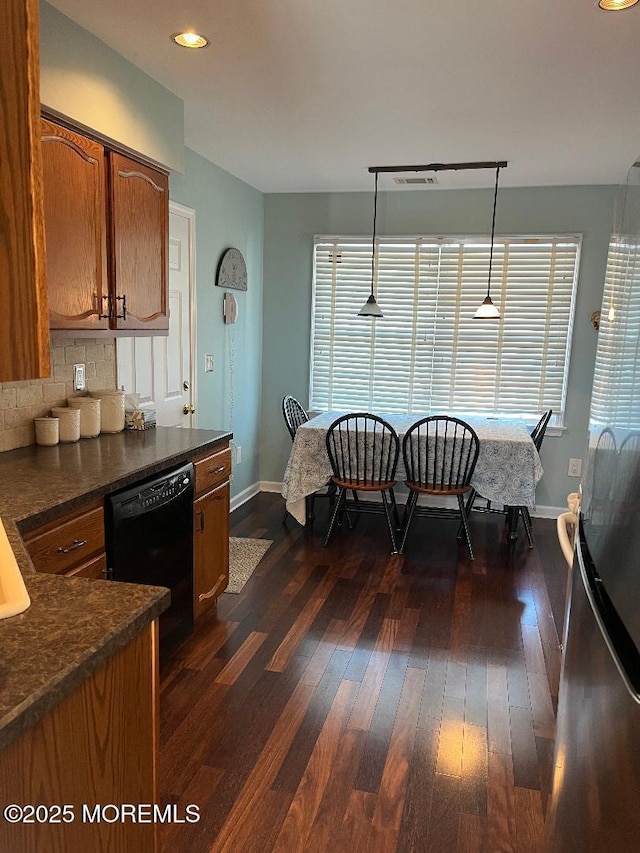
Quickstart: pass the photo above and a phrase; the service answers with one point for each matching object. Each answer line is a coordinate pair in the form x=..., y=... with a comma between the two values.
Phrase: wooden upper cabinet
x=139, y=231
x=24, y=327
x=75, y=228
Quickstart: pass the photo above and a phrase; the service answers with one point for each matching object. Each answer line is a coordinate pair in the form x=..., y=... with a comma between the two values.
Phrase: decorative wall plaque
x=232, y=270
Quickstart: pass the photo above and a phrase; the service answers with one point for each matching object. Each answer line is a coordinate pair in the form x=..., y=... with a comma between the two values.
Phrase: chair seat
x=354, y=486
x=435, y=490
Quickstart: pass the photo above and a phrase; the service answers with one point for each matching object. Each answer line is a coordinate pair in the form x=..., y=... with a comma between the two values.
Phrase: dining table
x=506, y=473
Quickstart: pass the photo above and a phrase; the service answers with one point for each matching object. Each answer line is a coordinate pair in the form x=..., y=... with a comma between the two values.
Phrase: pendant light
x=371, y=307
x=488, y=311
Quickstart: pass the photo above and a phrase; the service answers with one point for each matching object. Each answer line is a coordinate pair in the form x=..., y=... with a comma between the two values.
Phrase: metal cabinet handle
x=107, y=316
x=77, y=543
x=122, y=299
x=216, y=470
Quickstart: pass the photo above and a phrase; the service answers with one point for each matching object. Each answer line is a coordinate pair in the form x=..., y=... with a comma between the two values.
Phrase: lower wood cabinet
x=211, y=547
x=73, y=545
x=211, y=528
x=97, y=747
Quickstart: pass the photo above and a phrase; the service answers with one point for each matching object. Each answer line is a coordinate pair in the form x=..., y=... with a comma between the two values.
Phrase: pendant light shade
x=371, y=307
x=488, y=311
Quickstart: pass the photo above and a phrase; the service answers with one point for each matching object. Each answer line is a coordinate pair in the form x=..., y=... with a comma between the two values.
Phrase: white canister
x=69, y=422
x=111, y=409
x=47, y=431
x=89, y=415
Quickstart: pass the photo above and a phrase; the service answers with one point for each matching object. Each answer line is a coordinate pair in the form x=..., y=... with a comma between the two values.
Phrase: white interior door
x=160, y=368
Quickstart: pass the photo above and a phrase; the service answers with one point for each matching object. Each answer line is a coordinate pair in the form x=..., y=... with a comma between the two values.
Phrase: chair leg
x=387, y=501
x=465, y=524
x=394, y=505
x=410, y=506
x=339, y=505
x=468, y=507
x=310, y=503
x=526, y=520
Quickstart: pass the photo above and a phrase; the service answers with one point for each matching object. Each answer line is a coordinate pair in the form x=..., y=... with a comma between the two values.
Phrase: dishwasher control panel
x=155, y=494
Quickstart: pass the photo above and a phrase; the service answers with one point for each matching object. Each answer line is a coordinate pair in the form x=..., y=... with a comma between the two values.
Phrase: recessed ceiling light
x=194, y=39
x=616, y=5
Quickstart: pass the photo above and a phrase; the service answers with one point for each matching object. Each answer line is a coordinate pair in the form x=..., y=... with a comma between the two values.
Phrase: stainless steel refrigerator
x=595, y=801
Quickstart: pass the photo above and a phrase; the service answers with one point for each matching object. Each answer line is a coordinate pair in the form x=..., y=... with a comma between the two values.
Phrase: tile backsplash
x=21, y=402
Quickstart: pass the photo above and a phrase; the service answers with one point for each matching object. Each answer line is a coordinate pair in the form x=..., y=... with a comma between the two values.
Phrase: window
x=427, y=354
x=616, y=389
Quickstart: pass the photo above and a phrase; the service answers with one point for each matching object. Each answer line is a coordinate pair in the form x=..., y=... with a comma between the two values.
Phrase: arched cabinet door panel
x=139, y=237
x=75, y=215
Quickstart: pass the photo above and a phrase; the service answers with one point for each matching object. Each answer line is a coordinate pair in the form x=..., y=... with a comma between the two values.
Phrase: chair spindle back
x=363, y=450
x=440, y=454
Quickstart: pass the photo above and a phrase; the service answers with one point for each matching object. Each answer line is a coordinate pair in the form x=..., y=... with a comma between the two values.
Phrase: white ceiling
x=302, y=96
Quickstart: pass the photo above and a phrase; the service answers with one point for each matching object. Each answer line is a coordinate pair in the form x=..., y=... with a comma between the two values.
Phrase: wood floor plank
x=294, y=637
x=306, y=802
x=351, y=701
x=237, y=664
x=501, y=826
x=472, y=834
x=529, y=821
x=393, y=785
x=365, y=704
x=238, y=827
x=334, y=802
x=303, y=743
x=498, y=721
x=414, y=825
x=444, y=816
x=526, y=770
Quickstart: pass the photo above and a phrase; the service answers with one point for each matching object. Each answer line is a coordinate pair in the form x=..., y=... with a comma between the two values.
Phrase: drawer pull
x=212, y=591
x=217, y=470
x=77, y=543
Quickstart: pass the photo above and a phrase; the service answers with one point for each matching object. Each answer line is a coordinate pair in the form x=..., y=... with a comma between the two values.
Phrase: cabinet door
x=75, y=228
x=24, y=330
x=139, y=222
x=211, y=547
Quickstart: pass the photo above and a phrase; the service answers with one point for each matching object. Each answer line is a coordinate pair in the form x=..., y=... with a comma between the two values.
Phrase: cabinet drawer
x=212, y=470
x=93, y=569
x=70, y=543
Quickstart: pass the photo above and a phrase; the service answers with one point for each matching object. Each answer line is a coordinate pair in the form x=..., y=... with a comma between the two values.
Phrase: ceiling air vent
x=422, y=180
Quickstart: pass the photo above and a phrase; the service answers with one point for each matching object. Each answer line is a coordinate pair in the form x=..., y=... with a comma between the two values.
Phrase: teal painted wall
x=84, y=79
x=228, y=213
x=292, y=220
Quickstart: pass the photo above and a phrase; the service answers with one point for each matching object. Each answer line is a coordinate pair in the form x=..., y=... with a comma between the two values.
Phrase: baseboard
x=401, y=498
x=245, y=495
x=266, y=486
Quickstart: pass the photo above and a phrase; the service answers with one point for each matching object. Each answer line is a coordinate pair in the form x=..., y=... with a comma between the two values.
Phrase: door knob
x=186, y=410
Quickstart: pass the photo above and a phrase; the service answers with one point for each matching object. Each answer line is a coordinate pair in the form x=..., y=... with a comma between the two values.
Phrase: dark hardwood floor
x=347, y=700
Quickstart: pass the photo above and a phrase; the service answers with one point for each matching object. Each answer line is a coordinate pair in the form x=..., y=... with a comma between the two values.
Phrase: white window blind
x=616, y=383
x=427, y=354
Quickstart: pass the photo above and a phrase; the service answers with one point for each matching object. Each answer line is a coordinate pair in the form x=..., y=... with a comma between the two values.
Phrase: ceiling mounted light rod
x=488, y=311
x=441, y=167
x=371, y=307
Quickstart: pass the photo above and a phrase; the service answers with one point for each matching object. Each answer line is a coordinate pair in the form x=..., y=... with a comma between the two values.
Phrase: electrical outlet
x=78, y=377
x=208, y=364
x=238, y=454
x=575, y=467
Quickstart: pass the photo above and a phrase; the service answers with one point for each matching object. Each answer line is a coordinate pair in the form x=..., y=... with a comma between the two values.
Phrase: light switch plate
x=208, y=364
x=78, y=377
x=575, y=468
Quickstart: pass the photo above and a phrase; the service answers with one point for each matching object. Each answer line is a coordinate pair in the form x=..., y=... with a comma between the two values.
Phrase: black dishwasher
x=150, y=541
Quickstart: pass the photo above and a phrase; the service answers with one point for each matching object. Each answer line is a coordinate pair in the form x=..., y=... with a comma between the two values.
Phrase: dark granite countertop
x=74, y=625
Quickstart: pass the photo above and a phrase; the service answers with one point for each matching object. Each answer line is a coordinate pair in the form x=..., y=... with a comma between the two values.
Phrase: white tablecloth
x=507, y=470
